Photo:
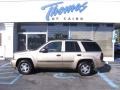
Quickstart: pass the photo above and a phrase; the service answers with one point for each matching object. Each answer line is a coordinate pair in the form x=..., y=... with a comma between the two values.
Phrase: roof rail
x=75, y=39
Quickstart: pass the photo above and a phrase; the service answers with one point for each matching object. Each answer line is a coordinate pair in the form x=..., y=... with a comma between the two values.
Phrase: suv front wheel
x=84, y=68
x=25, y=67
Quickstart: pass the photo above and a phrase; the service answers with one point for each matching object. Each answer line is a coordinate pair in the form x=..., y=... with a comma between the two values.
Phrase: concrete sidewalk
x=116, y=62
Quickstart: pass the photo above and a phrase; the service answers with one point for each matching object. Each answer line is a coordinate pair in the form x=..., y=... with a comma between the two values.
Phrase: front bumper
x=13, y=63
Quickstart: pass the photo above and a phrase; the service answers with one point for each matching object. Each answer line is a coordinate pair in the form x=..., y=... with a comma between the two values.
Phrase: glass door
x=21, y=42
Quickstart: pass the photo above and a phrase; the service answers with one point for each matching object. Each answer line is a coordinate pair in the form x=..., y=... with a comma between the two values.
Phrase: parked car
x=117, y=48
x=81, y=55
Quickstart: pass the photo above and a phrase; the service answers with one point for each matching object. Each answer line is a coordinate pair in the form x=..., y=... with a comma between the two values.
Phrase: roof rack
x=81, y=39
x=75, y=39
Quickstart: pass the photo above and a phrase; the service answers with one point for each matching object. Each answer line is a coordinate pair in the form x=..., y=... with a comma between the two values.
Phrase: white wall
x=30, y=11
x=8, y=39
x=2, y=51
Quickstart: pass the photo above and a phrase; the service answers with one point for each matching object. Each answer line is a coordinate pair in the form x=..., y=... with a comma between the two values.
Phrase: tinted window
x=91, y=46
x=54, y=47
x=72, y=47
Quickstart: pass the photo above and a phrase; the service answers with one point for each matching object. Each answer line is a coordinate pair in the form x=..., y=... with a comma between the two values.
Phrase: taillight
x=101, y=57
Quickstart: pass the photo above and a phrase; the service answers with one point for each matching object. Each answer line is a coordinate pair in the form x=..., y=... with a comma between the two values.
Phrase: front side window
x=71, y=46
x=53, y=47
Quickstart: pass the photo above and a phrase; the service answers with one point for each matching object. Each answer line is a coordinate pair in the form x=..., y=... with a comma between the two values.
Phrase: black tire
x=25, y=67
x=85, y=68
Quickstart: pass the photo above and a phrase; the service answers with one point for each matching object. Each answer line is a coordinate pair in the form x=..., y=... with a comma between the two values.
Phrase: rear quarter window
x=91, y=46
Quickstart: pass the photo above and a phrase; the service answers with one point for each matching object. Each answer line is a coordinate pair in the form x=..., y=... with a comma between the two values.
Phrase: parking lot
x=7, y=74
x=106, y=79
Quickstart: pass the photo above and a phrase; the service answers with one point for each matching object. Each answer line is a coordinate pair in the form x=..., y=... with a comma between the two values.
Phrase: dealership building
x=27, y=24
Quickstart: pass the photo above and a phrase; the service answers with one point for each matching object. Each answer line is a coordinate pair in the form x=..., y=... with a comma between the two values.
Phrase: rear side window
x=91, y=46
x=71, y=46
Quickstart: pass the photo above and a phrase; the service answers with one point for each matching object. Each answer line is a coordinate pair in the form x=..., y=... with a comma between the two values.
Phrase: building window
x=65, y=24
x=30, y=41
x=73, y=24
x=0, y=38
x=109, y=25
x=58, y=31
x=34, y=41
x=51, y=24
x=31, y=27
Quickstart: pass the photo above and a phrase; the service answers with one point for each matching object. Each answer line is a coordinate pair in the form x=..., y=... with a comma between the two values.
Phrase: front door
x=51, y=56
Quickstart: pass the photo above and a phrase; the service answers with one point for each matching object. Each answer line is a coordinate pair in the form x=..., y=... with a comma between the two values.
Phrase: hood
x=23, y=52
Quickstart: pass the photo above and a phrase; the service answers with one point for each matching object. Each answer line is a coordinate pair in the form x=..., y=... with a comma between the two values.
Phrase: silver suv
x=81, y=55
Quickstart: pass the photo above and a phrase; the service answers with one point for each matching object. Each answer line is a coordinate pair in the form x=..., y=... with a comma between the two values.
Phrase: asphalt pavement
x=43, y=79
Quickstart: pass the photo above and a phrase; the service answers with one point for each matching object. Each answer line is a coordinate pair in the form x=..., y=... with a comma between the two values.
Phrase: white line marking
x=7, y=77
x=7, y=72
x=7, y=69
x=63, y=76
x=15, y=79
x=8, y=66
x=109, y=82
x=4, y=83
x=4, y=65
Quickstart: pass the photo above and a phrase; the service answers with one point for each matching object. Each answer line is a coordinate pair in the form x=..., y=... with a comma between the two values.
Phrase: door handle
x=78, y=54
x=58, y=55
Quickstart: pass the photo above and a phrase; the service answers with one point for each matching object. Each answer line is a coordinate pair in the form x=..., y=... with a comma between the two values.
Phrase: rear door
x=93, y=49
x=72, y=51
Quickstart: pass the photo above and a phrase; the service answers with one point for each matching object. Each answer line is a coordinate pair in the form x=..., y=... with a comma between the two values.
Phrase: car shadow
x=106, y=68
x=46, y=70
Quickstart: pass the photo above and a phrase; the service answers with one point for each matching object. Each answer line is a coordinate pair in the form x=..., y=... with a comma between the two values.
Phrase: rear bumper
x=100, y=64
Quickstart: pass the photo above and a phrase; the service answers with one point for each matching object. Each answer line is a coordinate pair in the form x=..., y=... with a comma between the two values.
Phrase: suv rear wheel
x=84, y=68
x=25, y=67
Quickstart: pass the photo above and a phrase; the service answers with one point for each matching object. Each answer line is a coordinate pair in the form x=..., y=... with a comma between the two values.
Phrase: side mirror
x=44, y=50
